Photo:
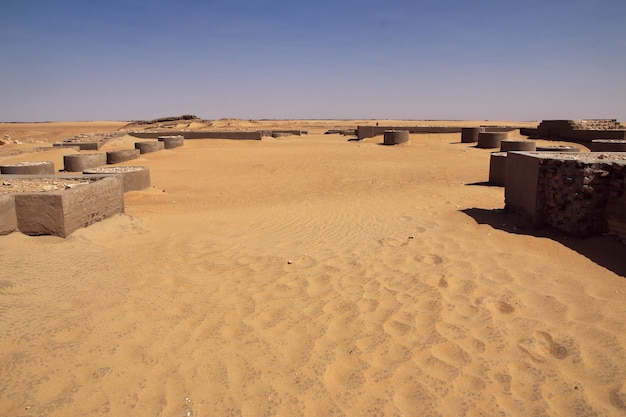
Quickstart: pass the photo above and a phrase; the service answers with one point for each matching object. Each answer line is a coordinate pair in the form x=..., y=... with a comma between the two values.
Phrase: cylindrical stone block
x=172, y=141
x=149, y=146
x=497, y=168
x=122, y=155
x=518, y=145
x=134, y=178
x=608, y=145
x=488, y=140
x=28, y=168
x=82, y=161
x=470, y=134
x=558, y=148
x=280, y=134
x=394, y=137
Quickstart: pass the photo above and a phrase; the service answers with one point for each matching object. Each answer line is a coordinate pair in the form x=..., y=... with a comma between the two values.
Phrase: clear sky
x=333, y=59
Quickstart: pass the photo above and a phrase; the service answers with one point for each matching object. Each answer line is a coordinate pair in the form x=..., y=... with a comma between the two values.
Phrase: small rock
x=289, y=262
x=411, y=237
x=50, y=187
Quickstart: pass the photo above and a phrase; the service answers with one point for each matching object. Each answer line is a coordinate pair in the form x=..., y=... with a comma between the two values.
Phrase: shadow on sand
x=607, y=251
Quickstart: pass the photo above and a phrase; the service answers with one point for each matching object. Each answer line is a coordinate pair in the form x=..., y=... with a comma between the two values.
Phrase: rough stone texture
x=497, y=168
x=281, y=134
x=82, y=161
x=579, y=194
x=8, y=218
x=171, y=142
x=28, y=168
x=607, y=145
x=578, y=130
x=395, y=137
x=470, y=134
x=60, y=213
x=489, y=140
x=149, y=146
x=518, y=145
x=122, y=155
x=134, y=178
x=254, y=135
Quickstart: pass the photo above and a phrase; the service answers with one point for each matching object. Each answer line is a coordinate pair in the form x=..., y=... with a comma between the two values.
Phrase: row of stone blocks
x=580, y=194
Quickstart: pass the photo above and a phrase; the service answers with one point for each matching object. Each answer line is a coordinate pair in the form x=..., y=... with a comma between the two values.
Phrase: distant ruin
x=578, y=130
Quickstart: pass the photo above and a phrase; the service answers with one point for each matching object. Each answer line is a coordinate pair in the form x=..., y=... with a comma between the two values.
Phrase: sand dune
x=311, y=276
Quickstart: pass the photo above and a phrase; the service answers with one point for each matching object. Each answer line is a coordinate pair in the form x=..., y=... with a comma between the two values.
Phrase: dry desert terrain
x=308, y=276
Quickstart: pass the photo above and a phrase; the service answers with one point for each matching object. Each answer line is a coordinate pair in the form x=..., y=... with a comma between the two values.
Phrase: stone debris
x=36, y=185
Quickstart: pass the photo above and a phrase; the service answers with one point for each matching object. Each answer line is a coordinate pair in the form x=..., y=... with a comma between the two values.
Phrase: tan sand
x=312, y=276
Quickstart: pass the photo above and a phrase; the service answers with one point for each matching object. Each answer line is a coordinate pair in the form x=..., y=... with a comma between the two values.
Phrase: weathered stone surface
x=395, y=137
x=122, y=155
x=8, y=217
x=82, y=161
x=489, y=140
x=497, y=168
x=607, y=145
x=470, y=134
x=580, y=194
x=60, y=213
x=171, y=142
x=134, y=178
x=149, y=146
x=558, y=148
x=518, y=145
x=28, y=168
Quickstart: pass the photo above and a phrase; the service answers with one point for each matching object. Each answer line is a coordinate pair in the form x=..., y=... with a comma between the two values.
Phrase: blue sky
x=439, y=59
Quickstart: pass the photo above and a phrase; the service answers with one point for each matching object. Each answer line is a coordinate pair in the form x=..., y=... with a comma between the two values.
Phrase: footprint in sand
x=429, y=259
x=541, y=346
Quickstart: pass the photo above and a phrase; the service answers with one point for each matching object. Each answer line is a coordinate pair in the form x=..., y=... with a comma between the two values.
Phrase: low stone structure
x=581, y=194
x=497, y=168
x=607, y=145
x=518, y=145
x=558, y=148
x=8, y=217
x=82, y=161
x=170, y=142
x=395, y=137
x=470, y=134
x=28, y=168
x=149, y=146
x=489, y=140
x=61, y=212
x=578, y=130
x=122, y=155
x=134, y=178
x=247, y=135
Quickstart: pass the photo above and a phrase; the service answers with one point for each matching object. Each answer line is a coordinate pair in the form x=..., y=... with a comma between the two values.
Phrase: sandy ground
x=310, y=276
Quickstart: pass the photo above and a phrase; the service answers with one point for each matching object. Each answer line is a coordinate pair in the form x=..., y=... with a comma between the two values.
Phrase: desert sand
x=309, y=276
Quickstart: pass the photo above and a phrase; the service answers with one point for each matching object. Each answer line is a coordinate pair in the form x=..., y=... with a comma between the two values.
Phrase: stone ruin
x=581, y=194
x=578, y=130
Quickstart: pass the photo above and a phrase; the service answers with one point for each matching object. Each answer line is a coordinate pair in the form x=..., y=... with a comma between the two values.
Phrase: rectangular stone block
x=60, y=213
x=521, y=186
x=8, y=218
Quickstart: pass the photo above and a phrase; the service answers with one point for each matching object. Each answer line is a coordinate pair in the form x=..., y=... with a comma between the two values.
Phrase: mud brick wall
x=578, y=196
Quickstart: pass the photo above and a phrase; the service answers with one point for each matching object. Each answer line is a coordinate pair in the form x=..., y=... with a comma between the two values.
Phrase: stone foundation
x=470, y=134
x=151, y=146
x=607, y=145
x=170, y=142
x=82, y=161
x=497, y=168
x=134, y=178
x=395, y=137
x=489, y=140
x=122, y=155
x=28, y=168
x=518, y=145
x=60, y=213
x=580, y=194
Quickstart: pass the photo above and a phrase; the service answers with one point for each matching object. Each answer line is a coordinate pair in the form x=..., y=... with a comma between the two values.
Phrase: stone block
x=134, y=178
x=497, y=168
x=518, y=145
x=607, y=145
x=489, y=140
x=82, y=161
x=521, y=186
x=122, y=155
x=60, y=213
x=28, y=168
x=149, y=146
x=8, y=217
x=395, y=137
x=171, y=142
x=470, y=134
